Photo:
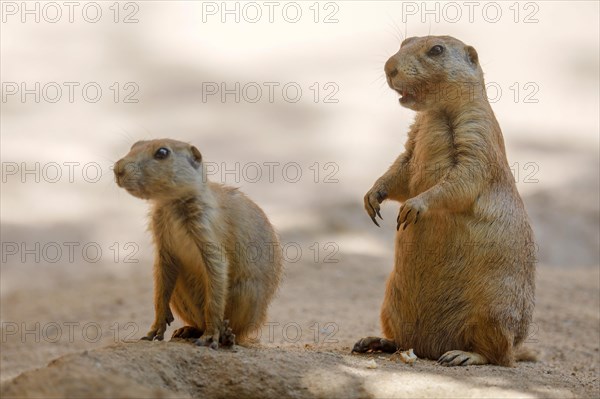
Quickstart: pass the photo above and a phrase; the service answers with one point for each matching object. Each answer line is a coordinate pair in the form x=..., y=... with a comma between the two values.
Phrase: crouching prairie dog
x=462, y=288
x=218, y=261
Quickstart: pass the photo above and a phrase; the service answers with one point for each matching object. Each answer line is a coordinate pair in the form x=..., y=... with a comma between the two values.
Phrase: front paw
x=373, y=198
x=410, y=212
x=226, y=335
x=156, y=333
x=210, y=340
x=374, y=344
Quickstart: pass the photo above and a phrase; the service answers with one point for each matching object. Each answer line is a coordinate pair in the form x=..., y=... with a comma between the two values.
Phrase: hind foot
x=460, y=358
x=226, y=335
x=187, y=332
x=226, y=338
x=374, y=344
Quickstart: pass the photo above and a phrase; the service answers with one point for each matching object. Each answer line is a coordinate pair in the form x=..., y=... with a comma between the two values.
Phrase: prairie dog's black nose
x=391, y=68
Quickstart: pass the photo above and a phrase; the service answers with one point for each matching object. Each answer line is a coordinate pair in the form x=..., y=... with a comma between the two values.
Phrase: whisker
x=402, y=38
x=396, y=36
x=381, y=76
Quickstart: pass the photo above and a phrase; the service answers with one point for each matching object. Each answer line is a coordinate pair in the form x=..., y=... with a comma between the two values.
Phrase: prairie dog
x=217, y=256
x=462, y=288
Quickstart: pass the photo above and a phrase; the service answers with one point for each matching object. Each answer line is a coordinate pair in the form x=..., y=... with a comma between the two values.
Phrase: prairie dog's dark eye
x=435, y=50
x=161, y=153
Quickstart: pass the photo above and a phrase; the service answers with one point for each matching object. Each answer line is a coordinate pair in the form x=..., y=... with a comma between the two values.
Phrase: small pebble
x=371, y=364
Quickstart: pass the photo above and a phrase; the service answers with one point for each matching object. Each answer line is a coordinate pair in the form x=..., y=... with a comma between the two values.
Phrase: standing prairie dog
x=462, y=288
x=217, y=256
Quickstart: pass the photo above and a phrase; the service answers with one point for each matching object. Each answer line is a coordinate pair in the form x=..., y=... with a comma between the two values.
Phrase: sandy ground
x=296, y=358
x=320, y=311
x=89, y=309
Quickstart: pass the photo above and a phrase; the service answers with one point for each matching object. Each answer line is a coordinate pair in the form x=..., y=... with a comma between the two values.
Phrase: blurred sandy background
x=170, y=56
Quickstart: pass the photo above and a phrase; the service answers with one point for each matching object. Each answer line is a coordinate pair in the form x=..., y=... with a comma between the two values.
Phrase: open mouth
x=406, y=95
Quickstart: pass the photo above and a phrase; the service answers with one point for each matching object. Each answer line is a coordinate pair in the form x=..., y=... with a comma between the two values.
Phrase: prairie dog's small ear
x=197, y=157
x=472, y=55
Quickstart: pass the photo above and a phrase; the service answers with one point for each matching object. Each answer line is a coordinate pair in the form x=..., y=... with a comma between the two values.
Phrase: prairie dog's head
x=434, y=71
x=159, y=169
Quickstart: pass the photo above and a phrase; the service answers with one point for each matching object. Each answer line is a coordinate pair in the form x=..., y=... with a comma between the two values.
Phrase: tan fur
x=464, y=273
x=217, y=256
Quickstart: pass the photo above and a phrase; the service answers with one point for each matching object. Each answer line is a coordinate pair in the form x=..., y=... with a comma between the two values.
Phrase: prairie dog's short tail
x=524, y=354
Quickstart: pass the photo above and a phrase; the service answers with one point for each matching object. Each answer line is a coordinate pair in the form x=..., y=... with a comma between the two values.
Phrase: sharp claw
x=379, y=214
x=405, y=224
x=417, y=217
x=374, y=213
x=375, y=221
x=405, y=218
x=449, y=359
